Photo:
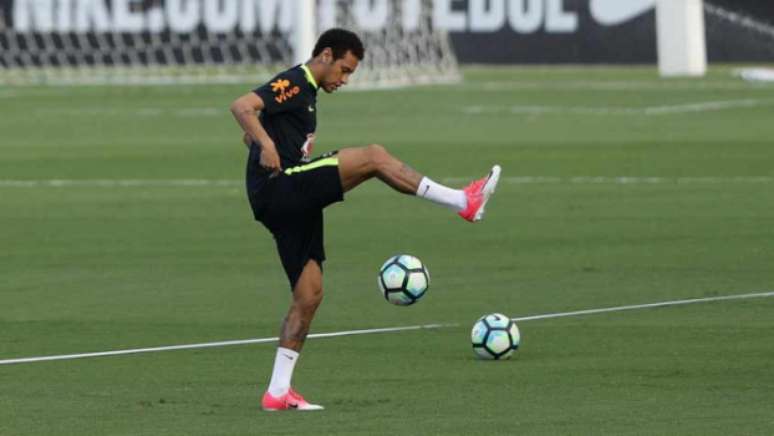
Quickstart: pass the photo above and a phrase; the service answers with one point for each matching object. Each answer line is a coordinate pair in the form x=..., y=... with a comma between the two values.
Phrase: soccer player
x=288, y=191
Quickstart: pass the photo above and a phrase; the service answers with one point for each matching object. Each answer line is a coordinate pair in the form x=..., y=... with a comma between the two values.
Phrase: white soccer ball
x=495, y=337
x=403, y=280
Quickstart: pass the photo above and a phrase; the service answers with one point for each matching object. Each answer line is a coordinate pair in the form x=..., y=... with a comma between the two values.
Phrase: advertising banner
x=481, y=31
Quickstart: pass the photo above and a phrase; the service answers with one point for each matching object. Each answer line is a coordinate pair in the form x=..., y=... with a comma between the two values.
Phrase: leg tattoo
x=294, y=331
x=401, y=177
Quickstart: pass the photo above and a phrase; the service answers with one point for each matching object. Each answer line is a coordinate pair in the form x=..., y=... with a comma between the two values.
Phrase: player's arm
x=245, y=110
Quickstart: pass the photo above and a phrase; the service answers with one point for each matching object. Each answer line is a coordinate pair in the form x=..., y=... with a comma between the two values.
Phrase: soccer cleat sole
x=312, y=408
x=307, y=408
x=488, y=190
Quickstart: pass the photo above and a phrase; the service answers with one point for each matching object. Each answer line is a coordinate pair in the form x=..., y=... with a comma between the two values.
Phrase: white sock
x=452, y=198
x=284, y=363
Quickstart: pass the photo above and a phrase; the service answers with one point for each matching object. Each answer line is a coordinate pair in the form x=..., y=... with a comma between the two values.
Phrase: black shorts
x=291, y=206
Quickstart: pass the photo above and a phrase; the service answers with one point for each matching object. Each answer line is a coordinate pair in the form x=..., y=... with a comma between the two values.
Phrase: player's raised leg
x=359, y=164
x=307, y=296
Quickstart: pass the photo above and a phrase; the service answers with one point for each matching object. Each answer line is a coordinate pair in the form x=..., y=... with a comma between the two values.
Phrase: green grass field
x=124, y=254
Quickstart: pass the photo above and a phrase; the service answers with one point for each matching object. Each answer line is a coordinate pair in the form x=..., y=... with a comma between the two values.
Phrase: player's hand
x=270, y=158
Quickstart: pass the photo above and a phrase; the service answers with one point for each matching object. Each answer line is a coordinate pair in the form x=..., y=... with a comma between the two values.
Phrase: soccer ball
x=495, y=337
x=403, y=280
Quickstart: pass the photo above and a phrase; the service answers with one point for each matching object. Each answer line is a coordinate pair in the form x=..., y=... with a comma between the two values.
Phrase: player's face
x=339, y=72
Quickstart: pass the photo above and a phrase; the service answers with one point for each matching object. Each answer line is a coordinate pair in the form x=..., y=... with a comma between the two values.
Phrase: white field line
x=216, y=344
x=695, y=107
x=139, y=111
x=384, y=330
x=611, y=85
x=620, y=180
x=516, y=109
x=646, y=306
x=704, y=106
x=516, y=180
x=196, y=112
x=119, y=183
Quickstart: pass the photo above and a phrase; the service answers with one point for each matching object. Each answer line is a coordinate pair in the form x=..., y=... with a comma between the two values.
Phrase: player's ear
x=327, y=55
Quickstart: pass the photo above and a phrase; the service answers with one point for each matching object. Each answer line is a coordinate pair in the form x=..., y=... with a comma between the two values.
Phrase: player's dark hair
x=340, y=41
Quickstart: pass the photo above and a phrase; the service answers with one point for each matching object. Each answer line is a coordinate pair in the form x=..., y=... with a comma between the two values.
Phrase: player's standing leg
x=307, y=295
x=359, y=164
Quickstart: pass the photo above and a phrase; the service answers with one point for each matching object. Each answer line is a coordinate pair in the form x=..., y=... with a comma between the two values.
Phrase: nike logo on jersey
x=311, y=108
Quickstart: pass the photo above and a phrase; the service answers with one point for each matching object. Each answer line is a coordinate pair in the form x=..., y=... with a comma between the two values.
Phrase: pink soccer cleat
x=290, y=401
x=478, y=193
